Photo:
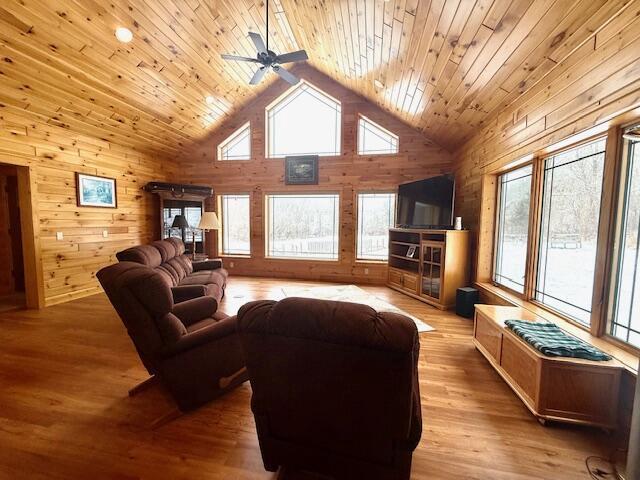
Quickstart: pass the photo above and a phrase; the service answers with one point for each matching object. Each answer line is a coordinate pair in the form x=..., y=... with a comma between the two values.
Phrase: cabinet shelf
x=406, y=258
x=405, y=243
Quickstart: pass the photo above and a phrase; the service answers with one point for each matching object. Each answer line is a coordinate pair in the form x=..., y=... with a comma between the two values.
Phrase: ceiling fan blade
x=258, y=75
x=239, y=59
x=298, y=56
x=258, y=42
x=286, y=75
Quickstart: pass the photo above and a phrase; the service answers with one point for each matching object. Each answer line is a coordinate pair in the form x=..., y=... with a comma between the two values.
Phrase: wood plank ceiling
x=443, y=66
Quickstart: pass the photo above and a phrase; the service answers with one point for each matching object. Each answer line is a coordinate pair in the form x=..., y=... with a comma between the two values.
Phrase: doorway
x=12, y=280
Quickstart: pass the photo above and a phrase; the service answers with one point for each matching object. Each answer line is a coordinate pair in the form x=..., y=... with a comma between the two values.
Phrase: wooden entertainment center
x=429, y=265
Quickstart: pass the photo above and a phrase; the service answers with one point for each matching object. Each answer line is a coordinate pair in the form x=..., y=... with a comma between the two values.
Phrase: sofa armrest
x=194, y=310
x=182, y=293
x=218, y=330
x=212, y=264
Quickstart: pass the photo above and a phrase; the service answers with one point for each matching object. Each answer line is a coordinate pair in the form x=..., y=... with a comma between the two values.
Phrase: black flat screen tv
x=426, y=203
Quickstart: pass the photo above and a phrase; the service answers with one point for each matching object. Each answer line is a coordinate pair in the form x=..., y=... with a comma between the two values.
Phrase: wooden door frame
x=30, y=225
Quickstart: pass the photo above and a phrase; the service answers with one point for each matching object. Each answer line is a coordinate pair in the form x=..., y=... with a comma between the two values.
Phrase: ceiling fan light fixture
x=378, y=83
x=124, y=35
x=210, y=100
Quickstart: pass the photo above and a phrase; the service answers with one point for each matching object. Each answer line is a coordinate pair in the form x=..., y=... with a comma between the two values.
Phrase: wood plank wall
x=347, y=174
x=54, y=154
x=599, y=80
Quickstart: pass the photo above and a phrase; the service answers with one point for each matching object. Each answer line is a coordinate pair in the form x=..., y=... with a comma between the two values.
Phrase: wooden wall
x=418, y=158
x=53, y=155
x=595, y=83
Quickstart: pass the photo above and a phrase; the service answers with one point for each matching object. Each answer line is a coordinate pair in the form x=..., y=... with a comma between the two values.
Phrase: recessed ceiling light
x=124, y=35
x=210, y=100
x=378, y=83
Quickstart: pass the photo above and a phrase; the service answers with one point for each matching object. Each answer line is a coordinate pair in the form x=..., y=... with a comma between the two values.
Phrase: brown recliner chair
x=335, y=387
x=194, y=351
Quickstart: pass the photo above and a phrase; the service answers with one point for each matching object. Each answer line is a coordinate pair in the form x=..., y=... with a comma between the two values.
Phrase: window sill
x=372, y=262
x=606, y=343
x=304, y=259
x=233, y=255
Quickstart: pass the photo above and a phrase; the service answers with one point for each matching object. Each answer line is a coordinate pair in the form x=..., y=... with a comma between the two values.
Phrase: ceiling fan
x=269, y=59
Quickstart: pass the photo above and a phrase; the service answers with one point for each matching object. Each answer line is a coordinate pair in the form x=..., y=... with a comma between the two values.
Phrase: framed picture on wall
x=94, y=191
x=301, y=170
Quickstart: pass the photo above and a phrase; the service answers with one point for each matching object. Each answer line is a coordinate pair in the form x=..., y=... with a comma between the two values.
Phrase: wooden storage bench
x=553, y=388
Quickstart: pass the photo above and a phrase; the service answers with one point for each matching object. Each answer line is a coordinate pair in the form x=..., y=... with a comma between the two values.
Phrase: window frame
x=220, y=236
x=615, y=239
x=595, y=313
x=280, y=99
x=298, y=193
x=494, y=252
x=236, y=133
x=363, y=118
x=537, y=159
x=356, y=214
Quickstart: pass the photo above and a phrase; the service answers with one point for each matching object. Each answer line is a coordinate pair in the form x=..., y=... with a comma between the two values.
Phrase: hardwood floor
x=65, y=413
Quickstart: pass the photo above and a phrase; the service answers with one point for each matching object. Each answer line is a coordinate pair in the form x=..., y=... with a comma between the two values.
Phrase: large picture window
x=303, y=226
x=305, y=122
x=514, y=199
x=236, y=221
x=376, y=215
x=625, y=315
x=569, y=230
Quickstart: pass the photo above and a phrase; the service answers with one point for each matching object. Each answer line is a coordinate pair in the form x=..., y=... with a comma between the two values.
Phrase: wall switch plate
x=59, y=236
x=105, y=233
x=230, y=264
x=366, y=271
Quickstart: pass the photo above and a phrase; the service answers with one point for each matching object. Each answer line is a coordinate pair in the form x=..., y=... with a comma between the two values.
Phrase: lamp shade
x=209, y=221
x=180, y=221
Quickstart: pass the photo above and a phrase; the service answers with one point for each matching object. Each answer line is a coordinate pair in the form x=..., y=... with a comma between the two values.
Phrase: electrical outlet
x=59, y=236
x=366, y=271
x=105, y=233
x=230, y=264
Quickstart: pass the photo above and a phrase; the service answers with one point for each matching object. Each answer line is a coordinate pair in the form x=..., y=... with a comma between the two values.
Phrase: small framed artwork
x=94, y=191
x=411, y=251
x=301, y=170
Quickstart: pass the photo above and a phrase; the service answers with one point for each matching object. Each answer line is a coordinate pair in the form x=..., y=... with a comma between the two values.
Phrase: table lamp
x=180, y=221
x=208, y=221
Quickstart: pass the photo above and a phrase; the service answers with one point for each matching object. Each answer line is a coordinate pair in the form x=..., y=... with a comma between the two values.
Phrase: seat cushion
x=206, y=277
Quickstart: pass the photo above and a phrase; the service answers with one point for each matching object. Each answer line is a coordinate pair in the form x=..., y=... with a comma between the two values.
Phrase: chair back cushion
x=332, y=376
x=167, y=256
x=142, y=297
x=143, y=254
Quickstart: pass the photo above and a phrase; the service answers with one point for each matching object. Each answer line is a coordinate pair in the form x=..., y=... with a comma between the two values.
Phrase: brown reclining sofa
x=187, y=279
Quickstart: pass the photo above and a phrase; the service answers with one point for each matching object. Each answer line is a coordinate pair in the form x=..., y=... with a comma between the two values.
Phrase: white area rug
x=353, y=294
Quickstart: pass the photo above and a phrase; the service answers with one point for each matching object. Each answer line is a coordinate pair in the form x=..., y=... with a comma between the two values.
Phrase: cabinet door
x=410, y=282
x=395, y=277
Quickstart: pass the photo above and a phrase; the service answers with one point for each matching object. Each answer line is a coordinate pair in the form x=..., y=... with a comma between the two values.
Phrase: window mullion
x=606, y=233
x=535, y=225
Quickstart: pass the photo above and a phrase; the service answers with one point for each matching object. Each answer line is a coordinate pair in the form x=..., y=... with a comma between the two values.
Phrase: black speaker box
x=466, y=298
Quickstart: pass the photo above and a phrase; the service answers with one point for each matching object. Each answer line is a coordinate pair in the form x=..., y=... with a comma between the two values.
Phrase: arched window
x=306, y=121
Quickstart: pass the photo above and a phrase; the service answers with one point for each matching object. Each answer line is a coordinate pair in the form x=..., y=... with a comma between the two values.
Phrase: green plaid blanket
x=551, y=341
